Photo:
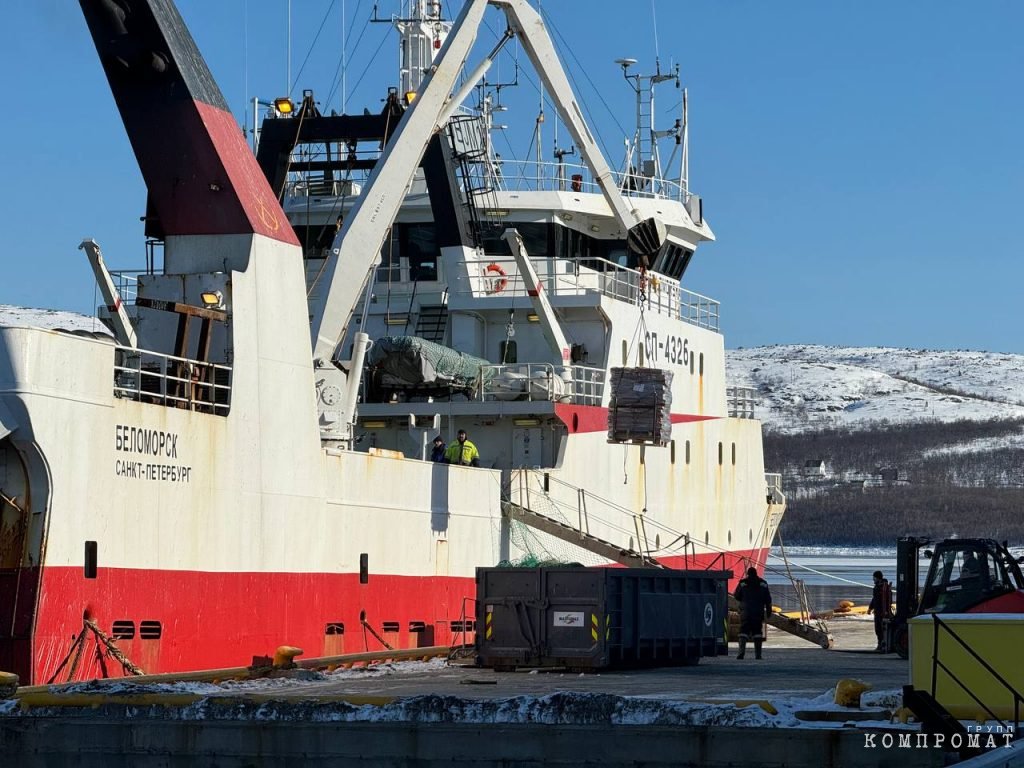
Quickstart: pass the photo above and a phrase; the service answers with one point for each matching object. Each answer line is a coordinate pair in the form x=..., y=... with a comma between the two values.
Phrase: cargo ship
x=240, y=456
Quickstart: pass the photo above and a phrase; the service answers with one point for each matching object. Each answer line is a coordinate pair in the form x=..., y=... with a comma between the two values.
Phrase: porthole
x=672, y=451
x=729, y=537
x=701, y=363
x=734, y=454
x=751, y=536
x=707, y=537
x=687, y=451
x=334, y=628
x=720, y=454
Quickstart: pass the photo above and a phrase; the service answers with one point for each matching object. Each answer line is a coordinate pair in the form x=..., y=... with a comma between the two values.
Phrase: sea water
x=829, y=574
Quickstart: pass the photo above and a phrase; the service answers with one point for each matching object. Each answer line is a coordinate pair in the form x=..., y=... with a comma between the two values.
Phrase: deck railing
x=175, y=382
x=773, y=484
x=937, y=664
x=579, y=384
x=126, y=281
x=505, y=175
x=741, y=402
x=499, y=277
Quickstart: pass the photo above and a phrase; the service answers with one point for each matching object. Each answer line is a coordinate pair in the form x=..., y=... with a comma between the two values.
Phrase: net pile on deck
x=411, y=362
x=640, y=407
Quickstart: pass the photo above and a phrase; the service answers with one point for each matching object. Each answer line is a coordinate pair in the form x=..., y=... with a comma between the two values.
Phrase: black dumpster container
x=594, y=618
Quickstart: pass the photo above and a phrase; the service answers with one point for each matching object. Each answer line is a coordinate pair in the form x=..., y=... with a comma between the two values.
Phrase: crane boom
x=527, y=24
x=356, y=248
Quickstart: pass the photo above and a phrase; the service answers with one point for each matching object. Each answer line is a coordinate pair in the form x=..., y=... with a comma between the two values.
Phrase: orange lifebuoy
x=499, y=283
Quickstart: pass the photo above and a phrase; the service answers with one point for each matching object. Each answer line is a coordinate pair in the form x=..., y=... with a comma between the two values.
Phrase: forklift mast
x=908, y=576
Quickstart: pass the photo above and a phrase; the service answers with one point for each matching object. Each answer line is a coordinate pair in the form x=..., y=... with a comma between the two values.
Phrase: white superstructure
x=220, y=479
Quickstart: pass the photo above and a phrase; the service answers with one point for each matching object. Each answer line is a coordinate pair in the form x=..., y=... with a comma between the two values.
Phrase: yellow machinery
x=994, y=638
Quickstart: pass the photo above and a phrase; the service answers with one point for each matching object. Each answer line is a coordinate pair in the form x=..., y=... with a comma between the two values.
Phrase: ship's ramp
x=563, y=530
x=573, y=535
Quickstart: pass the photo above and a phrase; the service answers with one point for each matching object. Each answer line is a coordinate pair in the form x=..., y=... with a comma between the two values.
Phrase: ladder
x=573, y=535
x=468, y=140
x=432, y=322
x=806, y=630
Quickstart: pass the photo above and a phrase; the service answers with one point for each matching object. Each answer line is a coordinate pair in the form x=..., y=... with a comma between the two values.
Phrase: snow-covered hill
x=806, y=387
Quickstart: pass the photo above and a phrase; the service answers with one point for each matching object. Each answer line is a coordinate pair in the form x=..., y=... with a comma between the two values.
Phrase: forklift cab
x=963, y=575
x=966, y=572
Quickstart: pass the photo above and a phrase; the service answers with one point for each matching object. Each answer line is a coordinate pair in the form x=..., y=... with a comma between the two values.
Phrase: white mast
x=422, y=32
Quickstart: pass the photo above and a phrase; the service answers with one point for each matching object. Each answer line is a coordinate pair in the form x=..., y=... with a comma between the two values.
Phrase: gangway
x=573, y=535
x=633, y=558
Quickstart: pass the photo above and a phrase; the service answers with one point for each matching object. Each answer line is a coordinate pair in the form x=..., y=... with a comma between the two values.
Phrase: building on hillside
x=815, y=469
x=887, y=477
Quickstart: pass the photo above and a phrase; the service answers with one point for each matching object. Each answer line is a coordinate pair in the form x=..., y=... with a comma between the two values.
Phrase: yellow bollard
x=848, y=692
x=284, y=656
x=8, y=684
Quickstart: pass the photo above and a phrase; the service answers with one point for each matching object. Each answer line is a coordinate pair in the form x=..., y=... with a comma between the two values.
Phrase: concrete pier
x=90, y=742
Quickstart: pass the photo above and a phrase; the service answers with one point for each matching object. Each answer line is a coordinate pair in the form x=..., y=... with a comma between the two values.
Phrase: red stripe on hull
x=211, y=620
x=594, y=418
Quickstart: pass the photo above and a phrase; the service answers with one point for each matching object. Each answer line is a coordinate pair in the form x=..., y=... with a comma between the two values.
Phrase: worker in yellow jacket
x=462, y=451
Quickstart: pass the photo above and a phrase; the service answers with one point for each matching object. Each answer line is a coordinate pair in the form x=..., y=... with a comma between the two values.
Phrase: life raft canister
x=499, y=280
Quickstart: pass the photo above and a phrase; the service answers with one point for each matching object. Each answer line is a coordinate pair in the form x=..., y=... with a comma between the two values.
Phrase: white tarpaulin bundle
x=640, y=409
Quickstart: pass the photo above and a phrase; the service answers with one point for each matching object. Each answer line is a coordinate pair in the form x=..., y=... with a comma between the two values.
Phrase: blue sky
x=860, y=163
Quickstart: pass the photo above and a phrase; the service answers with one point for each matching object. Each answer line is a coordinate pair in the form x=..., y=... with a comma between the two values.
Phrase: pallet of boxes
x=639, y=410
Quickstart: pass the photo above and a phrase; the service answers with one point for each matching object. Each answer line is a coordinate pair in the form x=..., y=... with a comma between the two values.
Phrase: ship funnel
x=202, y=178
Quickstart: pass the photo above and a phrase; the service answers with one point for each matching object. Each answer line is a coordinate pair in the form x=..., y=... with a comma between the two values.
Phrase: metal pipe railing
x=177, y=382
x=578, y=276
x=938, y=623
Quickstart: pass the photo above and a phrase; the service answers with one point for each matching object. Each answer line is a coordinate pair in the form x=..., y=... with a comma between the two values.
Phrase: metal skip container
x=597, y=618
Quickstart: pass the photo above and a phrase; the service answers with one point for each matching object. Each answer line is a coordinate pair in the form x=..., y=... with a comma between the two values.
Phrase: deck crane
x=355, y=251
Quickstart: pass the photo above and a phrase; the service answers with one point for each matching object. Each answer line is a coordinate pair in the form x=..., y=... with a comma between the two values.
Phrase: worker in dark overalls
x=881, y=606
x=755, y=606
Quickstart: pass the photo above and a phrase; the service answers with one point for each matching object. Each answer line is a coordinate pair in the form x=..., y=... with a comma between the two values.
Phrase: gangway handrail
x=938, y=623
x=583, y=514
x=638, y=521
x=681, y=543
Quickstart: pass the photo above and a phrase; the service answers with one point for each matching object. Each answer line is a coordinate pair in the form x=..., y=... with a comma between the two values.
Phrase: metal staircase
x=568, y=533
x=468, y=139
x=627, y=556
x=432, y=322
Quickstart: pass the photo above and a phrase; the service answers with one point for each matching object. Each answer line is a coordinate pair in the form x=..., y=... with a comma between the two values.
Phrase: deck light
x=374, y=424
x=533, y=317
x=396, y=320
x=212, y=299
x=284, y=105
x=526, y=422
